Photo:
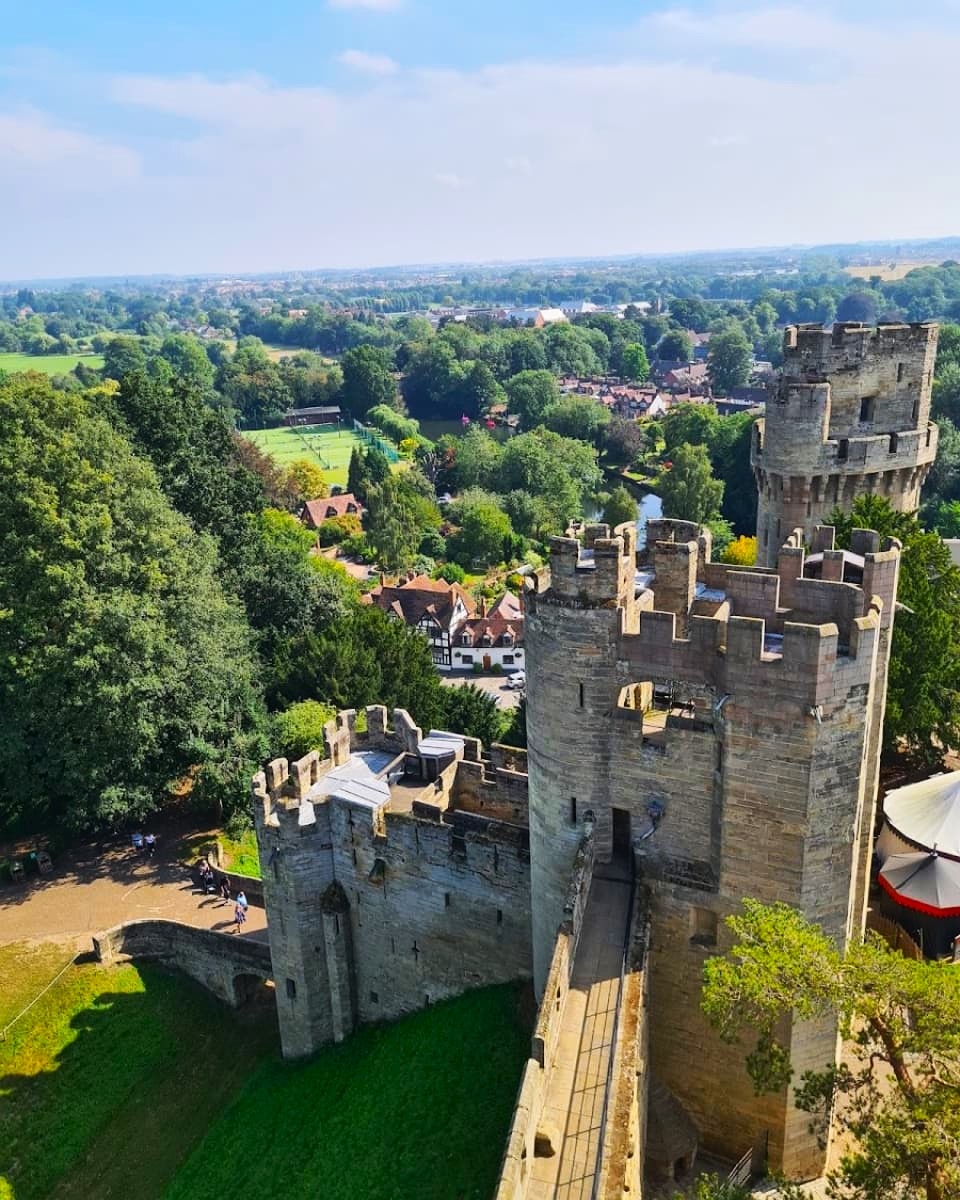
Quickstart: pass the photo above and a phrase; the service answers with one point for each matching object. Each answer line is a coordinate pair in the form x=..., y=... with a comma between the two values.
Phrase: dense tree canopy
x=123, y=664
x=896, y=1090
x=688, y=488
x=923, y=695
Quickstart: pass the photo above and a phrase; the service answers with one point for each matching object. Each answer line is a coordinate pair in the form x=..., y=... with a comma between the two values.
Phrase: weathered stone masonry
x=733, y=761
x=850, y=415
x=377, y=908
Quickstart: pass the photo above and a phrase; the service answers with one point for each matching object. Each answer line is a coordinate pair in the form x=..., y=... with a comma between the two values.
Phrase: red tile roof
x=317, y=511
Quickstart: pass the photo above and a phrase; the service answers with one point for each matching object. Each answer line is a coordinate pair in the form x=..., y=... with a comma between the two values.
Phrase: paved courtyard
x=94, y=887
x=493, y=685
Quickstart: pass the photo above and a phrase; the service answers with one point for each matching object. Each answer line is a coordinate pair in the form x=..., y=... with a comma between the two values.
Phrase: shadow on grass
x=105, y=1092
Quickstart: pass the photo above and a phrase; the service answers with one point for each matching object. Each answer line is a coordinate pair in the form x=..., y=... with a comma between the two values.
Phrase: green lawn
x=132, y=1082
x=49, y=364
x=331, y=450
x=418, y=1110
x=111, y=1078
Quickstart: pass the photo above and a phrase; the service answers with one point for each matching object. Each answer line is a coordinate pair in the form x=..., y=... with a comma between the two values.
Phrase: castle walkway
x=95, y=887
x=574, y=1101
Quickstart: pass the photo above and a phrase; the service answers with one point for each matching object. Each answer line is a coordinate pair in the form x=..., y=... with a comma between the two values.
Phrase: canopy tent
x=923, y=895
x=922, y=816
x=925, y=882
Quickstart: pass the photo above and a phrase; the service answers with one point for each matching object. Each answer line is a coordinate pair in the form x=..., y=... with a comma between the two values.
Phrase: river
x=651, y=507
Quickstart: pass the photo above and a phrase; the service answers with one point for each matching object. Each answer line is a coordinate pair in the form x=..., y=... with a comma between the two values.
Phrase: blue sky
x=241, y=136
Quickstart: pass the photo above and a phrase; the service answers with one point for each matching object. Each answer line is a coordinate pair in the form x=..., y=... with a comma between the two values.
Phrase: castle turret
x=849, y=416
x=721, y=724
x=571, y=638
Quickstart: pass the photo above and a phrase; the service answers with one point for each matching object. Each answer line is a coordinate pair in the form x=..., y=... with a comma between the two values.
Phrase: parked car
x=517, y=681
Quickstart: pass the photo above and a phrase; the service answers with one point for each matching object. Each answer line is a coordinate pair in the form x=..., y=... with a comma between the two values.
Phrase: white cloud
x=29, y=141
x=535, y=159
x=373, y=5
x=371, y=64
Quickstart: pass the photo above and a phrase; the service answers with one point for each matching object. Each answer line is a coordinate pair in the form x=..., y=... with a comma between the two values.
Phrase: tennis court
x=326, y=445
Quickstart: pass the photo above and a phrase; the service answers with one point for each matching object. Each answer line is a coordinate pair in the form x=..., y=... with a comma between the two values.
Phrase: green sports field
x=49, y=364
x=329, y=448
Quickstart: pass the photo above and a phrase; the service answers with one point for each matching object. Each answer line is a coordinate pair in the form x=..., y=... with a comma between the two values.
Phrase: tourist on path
x=242, y=900
x=239, y=916
x=225, y=890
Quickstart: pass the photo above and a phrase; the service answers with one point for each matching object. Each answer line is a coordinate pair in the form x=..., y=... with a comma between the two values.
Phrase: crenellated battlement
x=811, y=348
x=595, y=572
x=849, y=416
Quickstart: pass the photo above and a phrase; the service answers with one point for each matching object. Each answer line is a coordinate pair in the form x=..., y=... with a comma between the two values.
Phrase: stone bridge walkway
x=93, y=888
x=574, y=1101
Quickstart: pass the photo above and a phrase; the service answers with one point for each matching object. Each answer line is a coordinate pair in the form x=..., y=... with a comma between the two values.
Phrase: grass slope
x=109, y=1083
x=110, y=1080
x=418, y=1110
x=49, y=364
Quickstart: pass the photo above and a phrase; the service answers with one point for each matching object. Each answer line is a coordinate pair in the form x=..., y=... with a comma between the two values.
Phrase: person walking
x=242, y=900
x=225, y=890
x=150, y=844
x=239, y=917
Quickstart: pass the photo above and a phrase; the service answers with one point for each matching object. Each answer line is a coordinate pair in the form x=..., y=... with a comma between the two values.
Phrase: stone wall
x=849, y=416
x=376, y=910
x=756, y=782
x=622, y=1159
x=226, y=965
x=521, y=1147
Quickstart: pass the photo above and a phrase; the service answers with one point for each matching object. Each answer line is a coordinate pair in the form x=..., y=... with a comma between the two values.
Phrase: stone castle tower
x=850, y=415
x=718, y=726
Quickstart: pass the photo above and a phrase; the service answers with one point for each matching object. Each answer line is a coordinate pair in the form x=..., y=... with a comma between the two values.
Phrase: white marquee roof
x=928, y=813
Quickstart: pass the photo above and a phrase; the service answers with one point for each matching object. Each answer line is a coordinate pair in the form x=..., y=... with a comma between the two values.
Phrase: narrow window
x=374, y=998
x=276, y=868
x=393, y=945
x=899, y=372
x=703, y=927
x=291, y=989
x=866, y=408
x=446, y=899
x=499, y=916
x=894, y=441
x=573, y=810
x=581, y=694
x=336, y=924
x=354, y=857
x=915, y=417
x=843, y=449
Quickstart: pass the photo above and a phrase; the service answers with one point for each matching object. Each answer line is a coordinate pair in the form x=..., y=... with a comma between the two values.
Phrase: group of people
x=210, y=887
x=144, y=844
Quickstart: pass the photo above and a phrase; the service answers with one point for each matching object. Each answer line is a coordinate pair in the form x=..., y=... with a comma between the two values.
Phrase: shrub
x=478, y=668
x=338, y=529
x=496, y=669
x=450, y=572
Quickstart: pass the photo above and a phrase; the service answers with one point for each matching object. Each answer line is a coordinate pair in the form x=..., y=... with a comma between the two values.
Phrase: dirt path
x=92, y=888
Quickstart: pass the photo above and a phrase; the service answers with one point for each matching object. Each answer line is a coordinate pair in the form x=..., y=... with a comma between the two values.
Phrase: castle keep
x=850, y=415
x=698, y=733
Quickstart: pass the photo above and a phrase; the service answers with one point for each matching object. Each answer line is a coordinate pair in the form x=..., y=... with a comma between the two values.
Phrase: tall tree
x=688, y=488
x=530, y=394
x=896, y=1090
x=730, y=360
x=367, y=380
x=923, y=692
x=635, y=365
x=116, y=634
x=675, y=346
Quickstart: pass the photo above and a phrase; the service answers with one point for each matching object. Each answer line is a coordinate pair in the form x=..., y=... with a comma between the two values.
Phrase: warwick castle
x=698, y=733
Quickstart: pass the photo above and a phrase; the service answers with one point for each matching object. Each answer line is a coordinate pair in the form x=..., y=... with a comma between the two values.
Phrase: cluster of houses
x=463, y=635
